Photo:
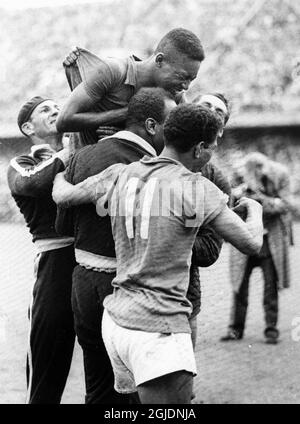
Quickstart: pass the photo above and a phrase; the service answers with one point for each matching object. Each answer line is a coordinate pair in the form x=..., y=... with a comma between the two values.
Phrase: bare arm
x=89, y=190
x=245, y=236
x=66, y=194
x=76, y=114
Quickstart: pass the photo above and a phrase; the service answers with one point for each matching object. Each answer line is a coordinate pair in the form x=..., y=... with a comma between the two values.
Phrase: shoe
x=271, y=335
x=271, y=340
x=232, y=335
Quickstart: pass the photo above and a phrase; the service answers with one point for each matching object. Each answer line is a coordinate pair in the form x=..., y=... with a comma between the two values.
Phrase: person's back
x=93, y=233
x=154, y=230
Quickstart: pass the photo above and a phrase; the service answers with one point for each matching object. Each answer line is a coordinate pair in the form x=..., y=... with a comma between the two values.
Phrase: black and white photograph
x=150, y=204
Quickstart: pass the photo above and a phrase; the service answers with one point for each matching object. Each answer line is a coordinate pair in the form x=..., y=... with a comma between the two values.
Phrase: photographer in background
x=267, y=182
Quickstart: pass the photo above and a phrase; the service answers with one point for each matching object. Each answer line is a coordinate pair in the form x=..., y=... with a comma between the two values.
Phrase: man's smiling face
x=176, y=73
x=43, y=118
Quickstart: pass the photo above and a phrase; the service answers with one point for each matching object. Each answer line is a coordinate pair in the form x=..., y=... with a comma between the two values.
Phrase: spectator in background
x=30, y=179
x=267, y=182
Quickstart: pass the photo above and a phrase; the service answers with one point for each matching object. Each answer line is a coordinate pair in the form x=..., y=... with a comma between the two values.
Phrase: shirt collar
x=36, y=147
x=160, y=159
x=133, y=138
x=131, y=76
x=165, y=159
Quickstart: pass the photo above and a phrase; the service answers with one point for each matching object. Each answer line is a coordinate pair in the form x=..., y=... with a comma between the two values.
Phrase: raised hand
x=72, y=57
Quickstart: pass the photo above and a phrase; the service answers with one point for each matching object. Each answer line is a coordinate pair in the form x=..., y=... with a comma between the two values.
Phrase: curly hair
x=147, y=103
x=188, y=124
x=183, y=41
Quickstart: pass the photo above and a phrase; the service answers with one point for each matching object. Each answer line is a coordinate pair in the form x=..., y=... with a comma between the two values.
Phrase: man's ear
x=150, y=125
x=198, y=149
x=220, y=133
x=159, y=58
x=28, y=128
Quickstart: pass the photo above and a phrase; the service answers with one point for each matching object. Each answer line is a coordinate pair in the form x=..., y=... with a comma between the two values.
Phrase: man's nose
x=54, y=112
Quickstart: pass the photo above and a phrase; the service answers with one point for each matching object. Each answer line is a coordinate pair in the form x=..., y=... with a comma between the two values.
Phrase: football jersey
x=156, y=207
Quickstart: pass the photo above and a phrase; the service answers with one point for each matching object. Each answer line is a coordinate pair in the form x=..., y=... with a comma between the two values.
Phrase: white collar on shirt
x=134, y=138
x=36, y=147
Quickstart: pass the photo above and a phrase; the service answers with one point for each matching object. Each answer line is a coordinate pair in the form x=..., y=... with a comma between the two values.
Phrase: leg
x=52, y=336
x=240, y=302
x=160, y=366
x=89, y=290
x=174, y=388
x=194, y=328
x=270, y=301
x=239, y=306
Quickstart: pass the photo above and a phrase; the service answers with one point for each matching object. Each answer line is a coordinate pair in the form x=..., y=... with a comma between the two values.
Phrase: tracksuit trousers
x=51, y=334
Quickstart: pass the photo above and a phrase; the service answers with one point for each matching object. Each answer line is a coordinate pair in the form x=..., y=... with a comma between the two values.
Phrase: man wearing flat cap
x=30, y=179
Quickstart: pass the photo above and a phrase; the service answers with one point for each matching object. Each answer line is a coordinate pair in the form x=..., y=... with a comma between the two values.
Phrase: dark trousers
x=89, y=290
x=52, y=336
x=270, y=298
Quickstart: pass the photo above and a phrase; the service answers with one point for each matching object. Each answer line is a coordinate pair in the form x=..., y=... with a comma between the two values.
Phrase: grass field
x=248, y=371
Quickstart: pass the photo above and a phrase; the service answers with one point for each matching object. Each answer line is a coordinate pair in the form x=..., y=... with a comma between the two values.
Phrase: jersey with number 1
x=156, y=206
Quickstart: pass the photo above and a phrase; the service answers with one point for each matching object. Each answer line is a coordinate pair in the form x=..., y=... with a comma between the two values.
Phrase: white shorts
x=140, y=356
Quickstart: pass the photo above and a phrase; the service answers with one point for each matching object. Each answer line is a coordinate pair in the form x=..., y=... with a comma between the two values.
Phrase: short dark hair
x=188, y=124
x=184, y=41
x=147, y=103
x=221, y=97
